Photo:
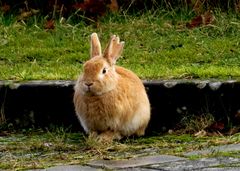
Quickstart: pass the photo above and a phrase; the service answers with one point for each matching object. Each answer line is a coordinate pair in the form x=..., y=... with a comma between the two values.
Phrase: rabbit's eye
x=104, y=70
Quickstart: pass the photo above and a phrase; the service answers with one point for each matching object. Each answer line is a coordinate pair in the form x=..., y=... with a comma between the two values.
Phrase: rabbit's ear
x=95, y=46
x=114, y=49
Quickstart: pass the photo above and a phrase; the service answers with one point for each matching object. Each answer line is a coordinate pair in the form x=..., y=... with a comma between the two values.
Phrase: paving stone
x=221, y=169
x=69, y=168
x=223, y=148
x=134, y=162
x=187, y=165
x=137, y=169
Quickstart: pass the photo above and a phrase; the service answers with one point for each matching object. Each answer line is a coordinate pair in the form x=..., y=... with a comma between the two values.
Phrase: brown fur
x=116, y=103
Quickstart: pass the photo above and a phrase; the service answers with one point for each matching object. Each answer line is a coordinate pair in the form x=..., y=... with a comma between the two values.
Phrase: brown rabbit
x=110, y=101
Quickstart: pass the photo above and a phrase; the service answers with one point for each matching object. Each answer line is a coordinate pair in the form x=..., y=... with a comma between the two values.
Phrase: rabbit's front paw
x=108, y=137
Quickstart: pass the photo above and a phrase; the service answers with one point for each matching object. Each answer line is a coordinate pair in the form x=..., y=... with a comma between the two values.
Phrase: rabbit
x=110, y=101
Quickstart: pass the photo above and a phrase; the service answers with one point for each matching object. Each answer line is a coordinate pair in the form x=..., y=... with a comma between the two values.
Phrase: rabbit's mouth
x=96, y=88
x=90, y=90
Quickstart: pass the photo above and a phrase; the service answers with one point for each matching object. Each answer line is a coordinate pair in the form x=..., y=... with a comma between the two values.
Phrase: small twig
x=26, y=3
x=61, y=11
x=54, y=10
x=87, y=18
x=131, y=3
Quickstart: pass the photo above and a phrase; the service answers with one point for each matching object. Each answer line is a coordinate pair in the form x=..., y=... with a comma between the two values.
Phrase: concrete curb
x=45, y=103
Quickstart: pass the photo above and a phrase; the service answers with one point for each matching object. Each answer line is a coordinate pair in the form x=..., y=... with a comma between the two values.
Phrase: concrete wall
x=49, y=103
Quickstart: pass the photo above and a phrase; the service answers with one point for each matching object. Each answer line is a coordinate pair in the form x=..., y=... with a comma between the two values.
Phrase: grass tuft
x=194, y=123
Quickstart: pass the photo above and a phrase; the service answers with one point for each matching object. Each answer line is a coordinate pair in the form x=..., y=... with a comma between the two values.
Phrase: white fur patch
x=139, y=118
x=100, y=76
x=82, y=121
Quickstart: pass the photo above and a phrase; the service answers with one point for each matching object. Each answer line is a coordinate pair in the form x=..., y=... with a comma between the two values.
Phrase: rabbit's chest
x=104, y=113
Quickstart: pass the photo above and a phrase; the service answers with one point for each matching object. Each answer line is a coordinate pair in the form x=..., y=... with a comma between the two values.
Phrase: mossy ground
x=42, y=149
x=158, y=46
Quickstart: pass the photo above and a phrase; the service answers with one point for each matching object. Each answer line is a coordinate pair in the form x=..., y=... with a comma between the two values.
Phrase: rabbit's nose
x=89, y=84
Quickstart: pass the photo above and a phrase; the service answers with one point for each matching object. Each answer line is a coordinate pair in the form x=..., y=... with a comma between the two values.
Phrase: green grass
x=158, y=46
x=41, y=149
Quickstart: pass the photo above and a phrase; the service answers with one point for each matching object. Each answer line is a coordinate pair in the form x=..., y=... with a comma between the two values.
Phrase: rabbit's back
x=137, y=99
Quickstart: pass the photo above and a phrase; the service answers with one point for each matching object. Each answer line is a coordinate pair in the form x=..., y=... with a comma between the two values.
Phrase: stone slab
x=221, y=169
x=135, y=169
x=155, y=163
x=134, y=162
x=201, y=164
x=223, y=148
x=68, y=168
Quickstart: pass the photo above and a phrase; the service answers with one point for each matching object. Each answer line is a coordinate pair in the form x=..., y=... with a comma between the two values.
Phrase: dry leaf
x=208, y=17
x=49, y=25
x=113, y=6
x=196, y=22
x=5, y=8
x=34, y=11
x=217, y=126
x=201, y=133
x=205, y=19
x=24, y=15
x=94, y=9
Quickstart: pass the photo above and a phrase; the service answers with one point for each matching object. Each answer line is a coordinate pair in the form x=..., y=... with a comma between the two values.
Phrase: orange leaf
x=5, y=8
x=24, y=15
x=217, y=126
x=113, y=6
x=205, y=19
x=80, y=6
x=49, y=25
x=208, y=17
x=195, y=22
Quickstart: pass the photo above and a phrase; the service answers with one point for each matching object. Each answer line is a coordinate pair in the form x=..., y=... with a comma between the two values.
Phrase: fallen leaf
x=79, y=6
x=24, y=15
x=95, y=9
x=201, y=133
x=35, y=11
x=216, y=126
x=208, y=17
x=5, y=8
x=113, y=6
x=195, y=22
x=49, y=25
x=204, y=19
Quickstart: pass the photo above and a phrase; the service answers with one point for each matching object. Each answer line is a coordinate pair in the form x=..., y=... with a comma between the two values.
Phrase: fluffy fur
x=110, y=101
